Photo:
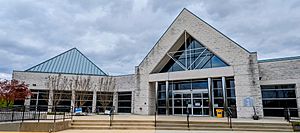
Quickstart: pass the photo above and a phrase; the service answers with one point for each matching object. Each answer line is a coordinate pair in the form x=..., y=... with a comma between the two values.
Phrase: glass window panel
x=197, y=102
x=218, y=93
x=161, y=102
x=197, y=111
x=205, y=95
x=162, y=95
x=187, y=95
x=186, y=102
x=126, y=97
x=193, y=50
x=197, y=95
x=217, y=83
x=230, y=83
x=205, y=102
x=231, y=102
x=124, y=104
x=162, y=111
x=199, y=85
x=280, y=103
x=187, y=109
x=217, y=62
x=278, y=94
x=177, y=110
x=124, y=110
x=177, y=95
x=206, y=111
x=177, y=102
x=230, y=92
x=279, y=112
x=218, y=102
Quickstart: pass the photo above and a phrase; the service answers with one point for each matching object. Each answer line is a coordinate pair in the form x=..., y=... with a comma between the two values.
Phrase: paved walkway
x=178, y=118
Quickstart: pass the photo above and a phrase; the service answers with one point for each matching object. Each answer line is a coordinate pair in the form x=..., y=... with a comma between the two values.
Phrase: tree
x=58, y=84
x=82, y=86
x=106, y=88
x=11, y=90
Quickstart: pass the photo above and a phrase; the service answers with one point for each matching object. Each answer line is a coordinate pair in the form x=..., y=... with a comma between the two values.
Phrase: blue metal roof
x=69, y=62
x=279, y=59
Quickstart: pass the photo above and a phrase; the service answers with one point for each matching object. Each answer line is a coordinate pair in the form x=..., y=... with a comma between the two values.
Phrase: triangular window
x=192, y=55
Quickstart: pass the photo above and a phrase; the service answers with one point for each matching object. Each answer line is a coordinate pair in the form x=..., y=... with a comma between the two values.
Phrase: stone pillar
x=73, y=101
x=298, y=96
x=211, y=112
x=167, y=98
x=27, y=101
x=50, y=100
x=224, y=92
x=248, y=93
x=94, y=101
x=115, y=101
x=156, y=88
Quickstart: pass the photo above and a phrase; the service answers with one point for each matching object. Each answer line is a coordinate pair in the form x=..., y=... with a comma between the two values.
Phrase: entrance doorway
x=195, y=102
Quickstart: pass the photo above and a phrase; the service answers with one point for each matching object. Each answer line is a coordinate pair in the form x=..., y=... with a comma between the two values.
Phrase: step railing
x=229, y=116
x=111, y=115
x=155, y=118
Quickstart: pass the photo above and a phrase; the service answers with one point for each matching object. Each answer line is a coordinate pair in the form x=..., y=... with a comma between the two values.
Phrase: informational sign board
x=107, y=112
x=78, y=110
x=248, y=102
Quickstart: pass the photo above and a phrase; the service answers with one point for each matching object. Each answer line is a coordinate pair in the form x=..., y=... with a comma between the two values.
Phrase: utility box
x=219, y=113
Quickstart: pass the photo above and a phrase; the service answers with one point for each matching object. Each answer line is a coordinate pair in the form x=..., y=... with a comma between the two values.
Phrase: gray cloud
x=117, y=35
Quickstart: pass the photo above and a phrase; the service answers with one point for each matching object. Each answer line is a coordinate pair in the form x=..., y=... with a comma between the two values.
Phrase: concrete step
x=179, y=125
x=114, y=127
x=114, y=123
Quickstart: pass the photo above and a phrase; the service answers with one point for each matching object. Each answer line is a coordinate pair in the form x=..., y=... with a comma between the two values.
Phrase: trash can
x=219, y=113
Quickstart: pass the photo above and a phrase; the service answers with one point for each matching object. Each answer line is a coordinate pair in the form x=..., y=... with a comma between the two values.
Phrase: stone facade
x=244, y=66
x=281, y=72
x=38, y=81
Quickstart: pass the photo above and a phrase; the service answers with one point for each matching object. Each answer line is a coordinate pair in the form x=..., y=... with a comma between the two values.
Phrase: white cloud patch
x=117, y=35
x=4, y=76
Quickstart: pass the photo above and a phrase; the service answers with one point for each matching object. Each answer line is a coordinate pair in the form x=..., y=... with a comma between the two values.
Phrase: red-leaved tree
x=11, y=90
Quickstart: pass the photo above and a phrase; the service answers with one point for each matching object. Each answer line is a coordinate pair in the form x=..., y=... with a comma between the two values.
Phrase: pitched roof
x=186, y=11
x=69, y=62
x=279, y=59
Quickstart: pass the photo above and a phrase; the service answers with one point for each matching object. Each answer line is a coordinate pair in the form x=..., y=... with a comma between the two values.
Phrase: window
x=276, y=98
x=104, y=101
x=84, y=99
x=192, y=56
x=39, y=99
x=161, y=98
x=124, y=102
x=62, y=100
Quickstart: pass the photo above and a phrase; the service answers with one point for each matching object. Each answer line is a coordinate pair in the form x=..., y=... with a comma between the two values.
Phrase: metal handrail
x=229, y=116
x=155, y=118
x=111, y=114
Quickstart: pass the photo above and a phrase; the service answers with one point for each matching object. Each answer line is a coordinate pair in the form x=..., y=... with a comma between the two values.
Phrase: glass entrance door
x=196, y=103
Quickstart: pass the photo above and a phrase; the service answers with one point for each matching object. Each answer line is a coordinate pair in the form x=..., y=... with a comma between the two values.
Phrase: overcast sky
x=117, y=35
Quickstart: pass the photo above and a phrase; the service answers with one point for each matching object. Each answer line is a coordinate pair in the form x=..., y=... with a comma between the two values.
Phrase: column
x=298, y=96
x=94, y=101
x=211, y=112
x=73, y=101
x=167, y=98
x=156, y=88
x=50, y=100
x=224, y=93
x=115, y=101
